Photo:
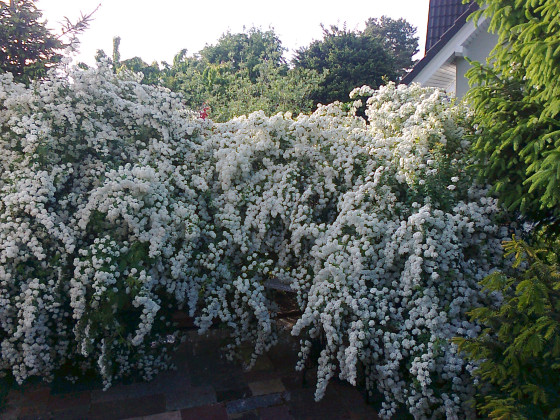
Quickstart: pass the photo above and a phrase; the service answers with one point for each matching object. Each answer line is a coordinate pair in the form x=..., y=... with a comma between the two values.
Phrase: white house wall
x=448, y=67
x=477, y=48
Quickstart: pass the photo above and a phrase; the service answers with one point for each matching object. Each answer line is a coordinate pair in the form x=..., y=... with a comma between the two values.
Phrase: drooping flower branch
x=119, y=206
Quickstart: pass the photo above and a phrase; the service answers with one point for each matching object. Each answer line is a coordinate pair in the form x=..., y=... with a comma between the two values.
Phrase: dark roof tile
x=444, y=39
x=441, y=17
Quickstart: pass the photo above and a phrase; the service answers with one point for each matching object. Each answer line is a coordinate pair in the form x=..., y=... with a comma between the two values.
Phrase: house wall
x=478, y=49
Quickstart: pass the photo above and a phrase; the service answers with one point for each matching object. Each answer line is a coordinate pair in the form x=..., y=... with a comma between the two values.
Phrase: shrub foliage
x=519, y=346
x=517, y=107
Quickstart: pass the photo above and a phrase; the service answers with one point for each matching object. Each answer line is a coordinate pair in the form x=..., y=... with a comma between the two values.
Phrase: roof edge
x=437, y=47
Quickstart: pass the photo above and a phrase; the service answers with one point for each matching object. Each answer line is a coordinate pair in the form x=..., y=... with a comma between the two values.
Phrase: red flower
x=204, y=112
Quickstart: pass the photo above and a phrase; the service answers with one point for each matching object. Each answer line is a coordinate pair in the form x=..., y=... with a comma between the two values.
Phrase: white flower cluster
x=98, y=223
x=118, y=206
x=358, y=219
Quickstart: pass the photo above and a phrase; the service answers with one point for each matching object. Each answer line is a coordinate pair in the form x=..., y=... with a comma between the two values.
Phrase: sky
x=156, y=30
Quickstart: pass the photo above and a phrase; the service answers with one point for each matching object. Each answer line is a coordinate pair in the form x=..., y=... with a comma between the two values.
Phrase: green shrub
x=517, y=107
x=519, y=346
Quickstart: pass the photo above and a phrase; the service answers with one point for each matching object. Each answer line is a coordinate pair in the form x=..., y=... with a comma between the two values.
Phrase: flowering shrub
x=397, y=270
x=96, y=216
x=118, y=206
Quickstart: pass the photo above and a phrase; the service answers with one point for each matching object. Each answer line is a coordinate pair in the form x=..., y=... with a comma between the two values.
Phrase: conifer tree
x=516, y=99
x=27, y=47
x=518, y=349
x=517, y=107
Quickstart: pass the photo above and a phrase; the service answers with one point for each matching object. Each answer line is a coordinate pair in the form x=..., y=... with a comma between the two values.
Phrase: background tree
x=27, y=47
x=246, y=50
x=246, y=72
x=399, y=37
x=382, y=52
x=151, y=72
x=241, y=73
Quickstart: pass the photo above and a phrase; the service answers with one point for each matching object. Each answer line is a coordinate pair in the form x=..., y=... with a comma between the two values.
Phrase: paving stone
x=170, y=415
x=263, y=363
x=123, y=392
x=72, y=413
x=170, y=381
x=180, y=357
x=271, y=386
x=362, y=415
x=249, y=415
x=65, y=401
x=190, y=397
x=228, y=383
x=205, y=387
x=260, y=375
x=303, y=407
x=125, y=408
x=14, y=402
x=262, y=370
x=279, y=412
x=209, y=369
x=352, y=399
x=284, y=355
x=61, y=385
x=41, y=416
x=233, y=394
x=9, y=414
x=252, y=403
x=34, y=408
x=35, y=400
x=207, y=412
x=183, y=320
x=293, y=382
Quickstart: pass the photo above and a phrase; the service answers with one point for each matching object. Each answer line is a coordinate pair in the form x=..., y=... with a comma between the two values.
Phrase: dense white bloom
x=118, y=206
x=94, y=197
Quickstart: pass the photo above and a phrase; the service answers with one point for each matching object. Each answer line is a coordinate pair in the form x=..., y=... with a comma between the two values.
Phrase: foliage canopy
x=517, y=102
x=380, y=53
x=27, y=47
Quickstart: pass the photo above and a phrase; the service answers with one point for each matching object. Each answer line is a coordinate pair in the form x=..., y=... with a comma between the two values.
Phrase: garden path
x=204, y=387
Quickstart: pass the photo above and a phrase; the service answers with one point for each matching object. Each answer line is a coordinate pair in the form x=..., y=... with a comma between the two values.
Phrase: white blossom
x=118, y=206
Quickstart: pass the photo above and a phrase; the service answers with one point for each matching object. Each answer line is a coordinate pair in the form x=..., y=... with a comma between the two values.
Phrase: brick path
x=204, y=387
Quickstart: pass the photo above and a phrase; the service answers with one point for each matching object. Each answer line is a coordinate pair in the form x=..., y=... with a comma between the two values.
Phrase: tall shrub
x=93, y=199
x=119, y=206
x=518, y=350
x=517, y=107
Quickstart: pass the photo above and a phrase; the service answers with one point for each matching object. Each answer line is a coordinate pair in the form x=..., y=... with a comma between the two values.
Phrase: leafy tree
x=273, y=90
x=151, y=72
x=519, y=347
x=240, y=74
x=185, y=75
x=246, y=49
x=398, y=36
x=352, y=58
x=116, y=52
x=27, y=48
x=517, y=107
